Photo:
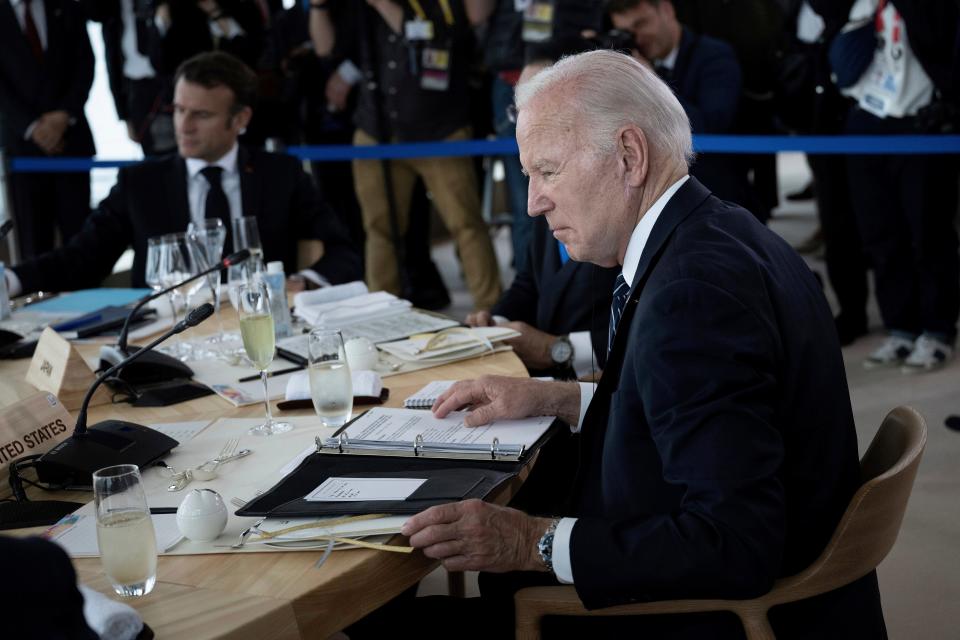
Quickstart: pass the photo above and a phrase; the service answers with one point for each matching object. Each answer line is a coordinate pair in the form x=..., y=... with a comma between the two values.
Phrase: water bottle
x=4, y=297
x=277, y=283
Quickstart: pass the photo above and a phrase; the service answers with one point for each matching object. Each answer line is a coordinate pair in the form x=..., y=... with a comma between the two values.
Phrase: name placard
x=30, y=427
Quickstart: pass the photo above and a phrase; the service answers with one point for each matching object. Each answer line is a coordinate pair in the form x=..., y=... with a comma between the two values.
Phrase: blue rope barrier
x=918, y=144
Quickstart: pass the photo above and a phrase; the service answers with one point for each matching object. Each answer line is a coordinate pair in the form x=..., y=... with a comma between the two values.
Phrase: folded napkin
x=111, y=620
x=355, y=309
x=330, y=294
x=365, y=384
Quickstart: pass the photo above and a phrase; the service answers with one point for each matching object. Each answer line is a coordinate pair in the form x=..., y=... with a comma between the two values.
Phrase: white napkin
x=109, y=619
x=354, y=309
x=365, y=383
x=330, y=294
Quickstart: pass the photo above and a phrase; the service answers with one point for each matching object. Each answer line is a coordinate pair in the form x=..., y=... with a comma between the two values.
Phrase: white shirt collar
x=641, y=233
x=671, y=58
x=228, y=163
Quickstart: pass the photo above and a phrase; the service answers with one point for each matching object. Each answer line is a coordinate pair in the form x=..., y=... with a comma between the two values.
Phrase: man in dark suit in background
x=718, y=451
x=46, y=70
x=561, y=307
x=211, y=177
x=705, y=76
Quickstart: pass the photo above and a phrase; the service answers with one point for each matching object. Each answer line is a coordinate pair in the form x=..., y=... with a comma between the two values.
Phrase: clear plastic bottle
x=277, y=283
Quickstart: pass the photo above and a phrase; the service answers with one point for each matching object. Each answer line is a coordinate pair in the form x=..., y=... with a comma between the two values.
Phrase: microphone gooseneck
x=193, y=318
x=231, y=260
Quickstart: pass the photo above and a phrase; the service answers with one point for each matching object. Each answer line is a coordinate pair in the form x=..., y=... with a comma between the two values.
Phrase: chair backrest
x=870, y=525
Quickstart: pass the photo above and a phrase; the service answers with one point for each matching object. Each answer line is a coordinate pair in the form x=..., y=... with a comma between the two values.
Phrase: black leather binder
x=448, y=480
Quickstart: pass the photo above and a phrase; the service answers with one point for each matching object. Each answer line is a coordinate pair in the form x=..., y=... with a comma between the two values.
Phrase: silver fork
x=246, y=533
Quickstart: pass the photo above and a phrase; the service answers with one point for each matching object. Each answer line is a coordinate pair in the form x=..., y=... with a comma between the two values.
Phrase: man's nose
x=537, y=203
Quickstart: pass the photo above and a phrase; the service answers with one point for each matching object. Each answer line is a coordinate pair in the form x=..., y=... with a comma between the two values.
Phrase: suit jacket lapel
x=681, y=205
x=176, y=187
x=54, y=30
x=251, y=188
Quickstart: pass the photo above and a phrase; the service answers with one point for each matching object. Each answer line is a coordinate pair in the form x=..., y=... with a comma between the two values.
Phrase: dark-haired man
x=704, y=75
x=211, y=176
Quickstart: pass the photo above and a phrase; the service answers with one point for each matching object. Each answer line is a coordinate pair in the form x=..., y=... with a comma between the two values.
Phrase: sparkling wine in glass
x=125, y=535
x=259, y=341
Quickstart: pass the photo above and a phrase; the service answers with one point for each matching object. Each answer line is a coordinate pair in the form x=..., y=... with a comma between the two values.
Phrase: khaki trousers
x=453, y=184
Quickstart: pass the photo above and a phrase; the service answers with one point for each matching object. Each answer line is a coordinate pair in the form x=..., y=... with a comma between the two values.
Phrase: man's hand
x=533, y=345
x=338, y=90
x=478, y=536
x=499, y=397
x=48, y=134
x=480, y=319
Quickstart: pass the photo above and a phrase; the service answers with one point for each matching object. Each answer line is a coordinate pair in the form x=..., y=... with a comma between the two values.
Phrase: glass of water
x=128, y=544
x=330, y=385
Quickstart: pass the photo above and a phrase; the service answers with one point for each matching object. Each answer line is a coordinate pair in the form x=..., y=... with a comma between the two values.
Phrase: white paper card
x=362, y=489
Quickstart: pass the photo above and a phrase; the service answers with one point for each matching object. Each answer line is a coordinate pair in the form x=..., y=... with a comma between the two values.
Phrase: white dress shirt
x=562, y=566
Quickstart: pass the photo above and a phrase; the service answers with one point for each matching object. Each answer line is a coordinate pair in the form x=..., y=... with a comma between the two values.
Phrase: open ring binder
x=419, y=448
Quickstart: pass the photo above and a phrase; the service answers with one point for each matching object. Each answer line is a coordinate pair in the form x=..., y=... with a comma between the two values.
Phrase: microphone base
x=150, y=368
x=111, y=442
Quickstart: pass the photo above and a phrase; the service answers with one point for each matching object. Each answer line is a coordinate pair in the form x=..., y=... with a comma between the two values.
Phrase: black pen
x=270, y=374
x=162, y=510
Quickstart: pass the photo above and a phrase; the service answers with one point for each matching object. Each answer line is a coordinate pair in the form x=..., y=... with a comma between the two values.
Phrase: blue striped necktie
x=621, y=291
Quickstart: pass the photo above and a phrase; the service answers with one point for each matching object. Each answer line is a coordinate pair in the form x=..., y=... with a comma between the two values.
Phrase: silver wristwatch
x=545, y=545
x=561, y=351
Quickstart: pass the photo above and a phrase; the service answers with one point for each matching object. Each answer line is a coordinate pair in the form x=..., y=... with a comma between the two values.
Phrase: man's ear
x=242, y=118
x=633, y=155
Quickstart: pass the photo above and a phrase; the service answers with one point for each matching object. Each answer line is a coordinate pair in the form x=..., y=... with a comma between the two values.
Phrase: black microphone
x=158, y=367
x=6, y=228
x=111, y=442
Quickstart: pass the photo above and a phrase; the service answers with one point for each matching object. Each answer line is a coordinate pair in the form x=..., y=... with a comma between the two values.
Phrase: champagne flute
x=152, y=269
x=259, y=341
x=331, y=387
x=246, y=235
x=125, y=535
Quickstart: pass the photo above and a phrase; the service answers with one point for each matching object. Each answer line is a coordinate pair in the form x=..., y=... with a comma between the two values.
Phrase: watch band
x=545, y=545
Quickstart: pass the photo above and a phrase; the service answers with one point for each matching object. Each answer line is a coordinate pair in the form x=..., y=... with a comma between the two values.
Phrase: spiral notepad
x=425, y=398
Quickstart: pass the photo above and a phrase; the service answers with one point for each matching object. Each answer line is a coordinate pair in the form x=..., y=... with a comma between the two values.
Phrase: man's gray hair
x=612, y=90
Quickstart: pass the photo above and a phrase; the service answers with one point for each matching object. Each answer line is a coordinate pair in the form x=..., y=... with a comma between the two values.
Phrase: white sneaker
x=928, y=354
x=892, y=352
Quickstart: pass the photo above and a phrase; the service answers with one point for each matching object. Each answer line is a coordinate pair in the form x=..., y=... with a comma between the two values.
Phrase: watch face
x=561, y=351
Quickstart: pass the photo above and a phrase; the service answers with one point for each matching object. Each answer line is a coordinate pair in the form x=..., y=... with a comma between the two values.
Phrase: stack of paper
x=357, y=309
x=450, y=345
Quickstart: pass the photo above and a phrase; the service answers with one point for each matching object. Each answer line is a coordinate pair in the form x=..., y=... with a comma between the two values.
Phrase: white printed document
x=419, y=431
x=362, y=489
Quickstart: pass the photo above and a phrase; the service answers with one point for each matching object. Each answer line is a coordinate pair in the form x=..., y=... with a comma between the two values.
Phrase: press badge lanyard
x=435, y=61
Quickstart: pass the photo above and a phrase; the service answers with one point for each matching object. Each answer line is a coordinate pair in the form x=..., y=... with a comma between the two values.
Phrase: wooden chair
x=863, y=537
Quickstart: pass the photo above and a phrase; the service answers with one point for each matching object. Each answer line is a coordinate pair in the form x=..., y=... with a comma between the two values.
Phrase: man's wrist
x=545, y=543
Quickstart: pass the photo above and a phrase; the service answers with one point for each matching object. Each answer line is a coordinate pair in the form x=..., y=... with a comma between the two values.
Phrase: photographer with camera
x=704, y=75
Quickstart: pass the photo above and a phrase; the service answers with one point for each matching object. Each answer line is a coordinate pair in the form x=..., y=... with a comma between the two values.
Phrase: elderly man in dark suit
x=718, y=450
x=212, y=176
x=45, y=75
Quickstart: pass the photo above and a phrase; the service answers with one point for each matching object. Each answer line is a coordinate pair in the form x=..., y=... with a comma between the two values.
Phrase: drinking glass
x=246, y=235
x=125, y=535
x=331, y=387
x=178, y=262
x=152, y=269
x=209, y=237
x=259, y=341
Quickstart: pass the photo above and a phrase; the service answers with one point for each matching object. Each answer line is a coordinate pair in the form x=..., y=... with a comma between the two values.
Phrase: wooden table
x=264, y=595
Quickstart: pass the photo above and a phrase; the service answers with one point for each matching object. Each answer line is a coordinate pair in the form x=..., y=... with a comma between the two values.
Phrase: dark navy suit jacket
x=707, y=80
x=560, y=298
x=150, y=199
x=719, y=451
